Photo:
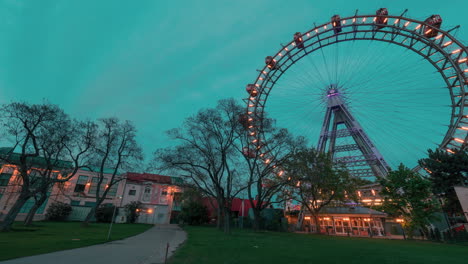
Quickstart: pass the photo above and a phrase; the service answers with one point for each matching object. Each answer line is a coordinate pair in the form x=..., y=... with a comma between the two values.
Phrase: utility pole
x=112, y=220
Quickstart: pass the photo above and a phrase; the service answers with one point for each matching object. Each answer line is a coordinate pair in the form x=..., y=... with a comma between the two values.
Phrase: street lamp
x=112, y=220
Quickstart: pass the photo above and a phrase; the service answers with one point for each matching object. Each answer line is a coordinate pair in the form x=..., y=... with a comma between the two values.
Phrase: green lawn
x=46, y=237
x=207, y=245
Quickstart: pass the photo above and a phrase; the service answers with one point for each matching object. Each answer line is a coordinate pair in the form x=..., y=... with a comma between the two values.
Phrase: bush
x=132, y=211
x=58, y=211
x=193, y=213
x=104, y=213
x=273, y=220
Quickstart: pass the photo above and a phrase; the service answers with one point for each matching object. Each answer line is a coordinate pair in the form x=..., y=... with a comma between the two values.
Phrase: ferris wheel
x=374, y=90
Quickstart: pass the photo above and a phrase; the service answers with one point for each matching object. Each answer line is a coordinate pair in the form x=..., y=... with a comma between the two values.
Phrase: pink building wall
x=155, y=192
x=60, y=192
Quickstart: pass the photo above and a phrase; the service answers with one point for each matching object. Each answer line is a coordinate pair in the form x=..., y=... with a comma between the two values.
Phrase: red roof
x=142, y=177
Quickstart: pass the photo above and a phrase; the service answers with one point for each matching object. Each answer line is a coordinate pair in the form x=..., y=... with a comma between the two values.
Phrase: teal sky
x=157, y=62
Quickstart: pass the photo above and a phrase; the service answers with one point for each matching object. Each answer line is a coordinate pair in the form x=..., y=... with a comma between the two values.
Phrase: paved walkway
x=146, y=248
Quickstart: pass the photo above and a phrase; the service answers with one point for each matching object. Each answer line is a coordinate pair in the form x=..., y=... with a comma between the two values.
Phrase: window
x=81, y=183
x=132, y=192
x=113, y=190
x=163, y=197
x=93, y=188
x=147, y=194
x=5, y=178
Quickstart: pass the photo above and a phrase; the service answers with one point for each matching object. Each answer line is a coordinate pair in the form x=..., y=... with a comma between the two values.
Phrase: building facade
x=352, y=221
x=79, y=191
x=159, y=195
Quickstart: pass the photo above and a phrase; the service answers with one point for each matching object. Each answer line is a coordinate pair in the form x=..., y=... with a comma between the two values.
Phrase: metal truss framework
x=371, y=163
x=444, y=52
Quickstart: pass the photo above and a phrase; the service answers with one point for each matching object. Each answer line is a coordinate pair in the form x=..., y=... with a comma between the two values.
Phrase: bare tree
x=263, y=163
x=72, y=145
x=317, y=181
x=116, y=149
x=40, y=135
x=206, y=155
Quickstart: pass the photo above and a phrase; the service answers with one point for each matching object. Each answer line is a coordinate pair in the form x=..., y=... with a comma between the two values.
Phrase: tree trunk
x=92, y=212
x=227, y=220
x=29, y=218
x=11, y=215
x=88, y=216
x=219, y=219
x=317, y=224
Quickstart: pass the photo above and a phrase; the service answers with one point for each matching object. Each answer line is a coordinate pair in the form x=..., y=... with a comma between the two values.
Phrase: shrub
x=58, y=211
x=193, y=213
x=104, y=213
x=132, y=211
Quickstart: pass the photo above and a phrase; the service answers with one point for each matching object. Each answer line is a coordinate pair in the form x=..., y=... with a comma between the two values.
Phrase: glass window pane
x=82, y=179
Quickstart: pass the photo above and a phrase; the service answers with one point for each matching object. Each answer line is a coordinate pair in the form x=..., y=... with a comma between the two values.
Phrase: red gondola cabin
x=248, y=152
x=298, y=40
x=270, y=62
x=336, y=23
x=435, y=21
x=244, y=120
x=381, y=18
x=252, y=90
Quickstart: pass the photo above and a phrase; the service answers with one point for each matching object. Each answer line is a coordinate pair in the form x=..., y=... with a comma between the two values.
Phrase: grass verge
x=207, y=245
x=45, y=237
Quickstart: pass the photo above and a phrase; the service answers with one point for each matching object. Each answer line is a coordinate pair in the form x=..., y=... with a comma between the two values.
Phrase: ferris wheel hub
x=332, y=91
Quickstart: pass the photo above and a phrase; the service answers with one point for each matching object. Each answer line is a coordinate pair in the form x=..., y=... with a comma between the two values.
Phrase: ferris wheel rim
x=267, y=77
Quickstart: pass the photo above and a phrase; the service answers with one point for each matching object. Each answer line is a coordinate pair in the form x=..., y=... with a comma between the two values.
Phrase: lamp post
x=112, y=220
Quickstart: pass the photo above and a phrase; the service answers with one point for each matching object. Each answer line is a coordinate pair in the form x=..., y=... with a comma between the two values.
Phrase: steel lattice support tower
x=338, y=124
